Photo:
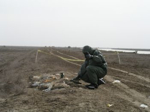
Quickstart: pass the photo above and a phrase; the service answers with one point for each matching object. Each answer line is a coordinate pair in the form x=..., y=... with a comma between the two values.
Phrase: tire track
x=148, y=86
x=132, y=74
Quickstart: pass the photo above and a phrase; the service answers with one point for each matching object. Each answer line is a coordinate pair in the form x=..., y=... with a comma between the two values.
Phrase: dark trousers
x=91, y=74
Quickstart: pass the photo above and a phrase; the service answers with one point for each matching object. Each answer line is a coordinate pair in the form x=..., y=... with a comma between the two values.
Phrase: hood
x=87, y=49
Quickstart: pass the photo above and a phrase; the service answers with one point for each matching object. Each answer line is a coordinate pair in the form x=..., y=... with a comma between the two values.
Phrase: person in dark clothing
x=93, y=69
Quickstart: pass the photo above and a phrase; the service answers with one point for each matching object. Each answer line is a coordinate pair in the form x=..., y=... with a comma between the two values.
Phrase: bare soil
x=17, y=64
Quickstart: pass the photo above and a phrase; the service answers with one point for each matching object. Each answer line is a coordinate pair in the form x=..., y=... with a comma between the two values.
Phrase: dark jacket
x=97, y=60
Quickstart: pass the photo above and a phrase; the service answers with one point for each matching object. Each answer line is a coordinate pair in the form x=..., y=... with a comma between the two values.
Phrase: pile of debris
x=48, y=82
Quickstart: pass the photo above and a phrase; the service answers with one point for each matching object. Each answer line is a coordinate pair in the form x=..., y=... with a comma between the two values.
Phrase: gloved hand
x=88, y=55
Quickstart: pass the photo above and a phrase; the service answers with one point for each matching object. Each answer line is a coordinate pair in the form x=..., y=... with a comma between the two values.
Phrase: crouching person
x=93, y=69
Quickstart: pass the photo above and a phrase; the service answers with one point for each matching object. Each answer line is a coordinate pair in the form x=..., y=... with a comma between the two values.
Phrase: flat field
x=17, y=64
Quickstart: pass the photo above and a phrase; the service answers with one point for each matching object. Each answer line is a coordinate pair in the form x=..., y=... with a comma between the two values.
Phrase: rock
x=34, y=78
x=80, y=88
x=61, y=85
x=116, y=81
x=49, y=88
x=35, y=84
x=143, y=106
x=43, y=86
x=66, y=78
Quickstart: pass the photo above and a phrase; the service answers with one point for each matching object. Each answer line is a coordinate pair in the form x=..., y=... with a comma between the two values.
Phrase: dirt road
x=18, y=63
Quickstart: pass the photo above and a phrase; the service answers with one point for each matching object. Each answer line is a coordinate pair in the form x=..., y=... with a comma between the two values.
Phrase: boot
x=101, y=81
x=92, y=86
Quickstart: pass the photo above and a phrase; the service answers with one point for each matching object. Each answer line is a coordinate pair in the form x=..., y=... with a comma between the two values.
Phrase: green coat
x=93, y=69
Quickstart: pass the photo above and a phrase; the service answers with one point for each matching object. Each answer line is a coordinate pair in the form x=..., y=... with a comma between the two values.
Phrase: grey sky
x=99, y=23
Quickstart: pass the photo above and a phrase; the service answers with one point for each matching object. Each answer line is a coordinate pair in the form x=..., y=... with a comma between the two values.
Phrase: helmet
x=87, y=49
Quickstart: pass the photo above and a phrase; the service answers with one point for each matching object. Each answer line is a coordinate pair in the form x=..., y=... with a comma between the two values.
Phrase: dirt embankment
x=17, y=64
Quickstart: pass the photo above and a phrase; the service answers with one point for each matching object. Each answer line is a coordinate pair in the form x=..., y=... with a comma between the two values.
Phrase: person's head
x=87, y=49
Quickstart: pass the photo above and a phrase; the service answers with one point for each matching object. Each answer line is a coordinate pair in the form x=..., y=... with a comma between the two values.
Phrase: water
x=128, y=51
x=143, y=52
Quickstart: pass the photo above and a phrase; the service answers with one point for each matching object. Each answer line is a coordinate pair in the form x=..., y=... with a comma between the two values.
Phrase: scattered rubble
x=48, y=82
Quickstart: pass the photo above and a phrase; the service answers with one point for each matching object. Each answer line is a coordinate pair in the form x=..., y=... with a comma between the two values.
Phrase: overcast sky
x=98, y=23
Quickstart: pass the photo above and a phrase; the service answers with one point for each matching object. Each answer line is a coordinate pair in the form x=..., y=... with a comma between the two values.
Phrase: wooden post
x=118, y=57
x=36, y=56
